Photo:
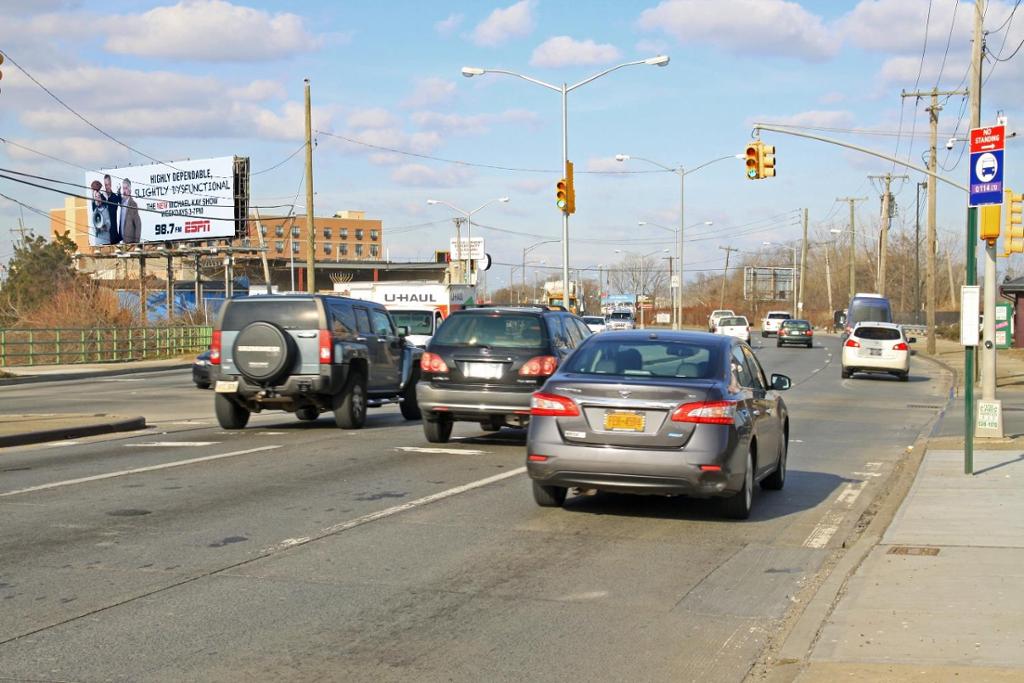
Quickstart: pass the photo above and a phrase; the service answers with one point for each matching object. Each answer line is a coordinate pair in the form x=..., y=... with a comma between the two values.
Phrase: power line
x=949, y=38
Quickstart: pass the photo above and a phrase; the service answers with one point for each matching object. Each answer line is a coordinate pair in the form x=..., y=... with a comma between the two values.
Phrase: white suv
x=877, y=347
x=771, y=321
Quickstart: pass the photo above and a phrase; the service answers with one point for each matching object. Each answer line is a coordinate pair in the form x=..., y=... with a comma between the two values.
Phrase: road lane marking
x=824, y=530
x=394, y=510
x=170, y=444
x=136, y=470
x=447, y=451
x=850, y=493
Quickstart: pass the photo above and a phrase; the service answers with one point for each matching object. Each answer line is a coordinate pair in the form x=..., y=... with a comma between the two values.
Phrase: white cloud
x=605, y=164
x=449, y=25
x=91, y=152
x=471, y=124
x=903, y=70
x=531, y=185
x=258, y=91
x=503, y=24
x=815, y=118
x=419, y=175
x=372, y=118
x=209, y=30
x=779, y=27
x=649, y=46
x=898, y=25
x=564, y=51
x=428, y=92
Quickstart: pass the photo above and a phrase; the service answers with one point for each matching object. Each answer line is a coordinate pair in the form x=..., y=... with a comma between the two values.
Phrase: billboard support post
x=142, y=288
x=170, y=286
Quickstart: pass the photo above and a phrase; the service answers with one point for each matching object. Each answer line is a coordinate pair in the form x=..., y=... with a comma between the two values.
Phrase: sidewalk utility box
x=1004, y=325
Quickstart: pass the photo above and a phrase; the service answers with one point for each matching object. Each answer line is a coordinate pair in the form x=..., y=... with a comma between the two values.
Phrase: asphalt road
x=299, y=551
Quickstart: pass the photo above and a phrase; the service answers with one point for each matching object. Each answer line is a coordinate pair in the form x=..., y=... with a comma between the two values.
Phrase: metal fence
x=70, y=345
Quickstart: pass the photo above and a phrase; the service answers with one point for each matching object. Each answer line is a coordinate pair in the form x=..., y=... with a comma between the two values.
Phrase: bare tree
x=640, y=275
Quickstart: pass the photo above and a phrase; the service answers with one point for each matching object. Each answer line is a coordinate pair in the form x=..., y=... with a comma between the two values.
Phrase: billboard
x=467, y=248
x=180, y=200
x=767, y=283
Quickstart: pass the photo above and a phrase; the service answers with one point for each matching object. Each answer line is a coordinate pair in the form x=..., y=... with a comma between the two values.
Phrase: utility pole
x=853, y=241
x=932, y=244
x=884, y=223
x=803, y=269
x=725, y=274
x=917, y=254
x=459, y=220
x=828, y=276
x=310, y=229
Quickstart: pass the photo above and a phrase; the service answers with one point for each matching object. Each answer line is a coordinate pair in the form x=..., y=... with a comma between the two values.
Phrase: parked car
x=718, y=314
x=483, y=365
x=794, y=331
x=621, y=320
x=659, y=413
x=201, y=368
x=309, y=354
x=876, y=347
x=771, y=321
x=735, y=326
x=596, y=323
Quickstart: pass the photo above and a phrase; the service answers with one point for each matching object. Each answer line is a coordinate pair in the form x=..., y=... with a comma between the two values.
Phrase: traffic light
x=989, y=222
x=562, y=194
x=571, y=187
x=766, y=165
x=1014, y=242
x=753, y=162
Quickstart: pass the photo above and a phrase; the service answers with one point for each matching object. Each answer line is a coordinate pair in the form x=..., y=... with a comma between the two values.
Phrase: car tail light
x=533, y=457
x=539, y=366
x=553, y=405
x=706, y=412
x=902, y=346
x=326, y=347
x=431, y=362
x=852, y=343
x=809, y=333
x=215, y=348
x=710, y=468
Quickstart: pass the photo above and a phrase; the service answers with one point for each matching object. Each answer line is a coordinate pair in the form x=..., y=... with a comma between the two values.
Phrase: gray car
x=661, y=413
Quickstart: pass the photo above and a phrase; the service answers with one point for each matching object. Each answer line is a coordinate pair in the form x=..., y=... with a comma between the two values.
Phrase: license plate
x=485, y=370
x=874, y=352
x=226, y=387
x=618, y=421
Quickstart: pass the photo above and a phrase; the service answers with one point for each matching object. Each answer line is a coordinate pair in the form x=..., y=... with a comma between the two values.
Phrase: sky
x=391, y=111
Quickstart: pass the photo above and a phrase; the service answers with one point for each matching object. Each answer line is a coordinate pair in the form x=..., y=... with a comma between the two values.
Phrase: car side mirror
x=781, y=382
x=403, y=330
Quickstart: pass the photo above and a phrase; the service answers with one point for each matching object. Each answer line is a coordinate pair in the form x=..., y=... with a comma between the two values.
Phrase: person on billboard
x=112, y=200
x=131, y=225
x=99, y=217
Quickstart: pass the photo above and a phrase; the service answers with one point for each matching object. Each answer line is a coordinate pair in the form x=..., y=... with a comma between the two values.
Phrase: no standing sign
x=987, y=165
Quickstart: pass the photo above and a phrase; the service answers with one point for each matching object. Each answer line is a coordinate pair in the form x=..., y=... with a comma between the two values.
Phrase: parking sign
x=987, y=165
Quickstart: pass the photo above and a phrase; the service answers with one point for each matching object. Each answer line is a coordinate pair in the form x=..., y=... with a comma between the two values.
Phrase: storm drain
x=913, y=550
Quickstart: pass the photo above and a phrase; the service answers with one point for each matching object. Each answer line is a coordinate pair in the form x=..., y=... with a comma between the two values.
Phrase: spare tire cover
x=263, y=352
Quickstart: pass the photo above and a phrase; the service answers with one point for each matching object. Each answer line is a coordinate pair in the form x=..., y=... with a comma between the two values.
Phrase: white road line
x=170, y=444
x=137, y=470
x=449, y=451
x=824, y=530
x=868, y=474
x=394, y=510
x=850, y=493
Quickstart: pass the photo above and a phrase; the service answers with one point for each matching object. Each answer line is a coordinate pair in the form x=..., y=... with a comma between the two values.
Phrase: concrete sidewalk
x=25, y=374
x=941, y=597
x=22, y=430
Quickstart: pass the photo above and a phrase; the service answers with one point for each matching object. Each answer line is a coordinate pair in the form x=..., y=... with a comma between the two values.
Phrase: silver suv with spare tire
x=310, y=354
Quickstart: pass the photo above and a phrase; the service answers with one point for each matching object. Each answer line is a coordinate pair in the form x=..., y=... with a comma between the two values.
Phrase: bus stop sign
x=987, y=165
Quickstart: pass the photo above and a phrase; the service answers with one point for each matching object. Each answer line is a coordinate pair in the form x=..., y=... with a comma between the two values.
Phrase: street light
x=798, y=307
x=643, y=258
x=564, y=90
x=527, y=250
x=682, y=173
x=469, y=220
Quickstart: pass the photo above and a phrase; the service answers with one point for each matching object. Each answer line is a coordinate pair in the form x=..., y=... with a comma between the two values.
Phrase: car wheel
x=230, y=415
x=438, y=431
x=410, y=405
x=549, y=496
x=739, y=505
x=777, y=479
x=778, y=344
x=203, y=385
x=307, y=413
x=491, y=426
x=846, y=373
x=905, y=377
x=764, y=334
x=350, y=404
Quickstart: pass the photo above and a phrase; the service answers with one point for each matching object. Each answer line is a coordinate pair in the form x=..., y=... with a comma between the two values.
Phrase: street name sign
x=987, y=146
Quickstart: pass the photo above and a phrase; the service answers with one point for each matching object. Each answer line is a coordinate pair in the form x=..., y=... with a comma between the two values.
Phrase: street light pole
x=564, y=90
x=469, y=220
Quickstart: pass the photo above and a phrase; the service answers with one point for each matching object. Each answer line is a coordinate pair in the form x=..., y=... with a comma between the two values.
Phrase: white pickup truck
x=717, y=315
x=771, y=321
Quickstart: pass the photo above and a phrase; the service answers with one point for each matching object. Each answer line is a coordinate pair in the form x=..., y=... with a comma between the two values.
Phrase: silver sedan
x=661, y=413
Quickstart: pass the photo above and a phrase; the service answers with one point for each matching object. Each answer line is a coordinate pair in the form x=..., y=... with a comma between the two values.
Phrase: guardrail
x=98, y=345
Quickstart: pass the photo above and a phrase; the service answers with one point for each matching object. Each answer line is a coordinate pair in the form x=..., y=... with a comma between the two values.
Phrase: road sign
x=675, y=281
x=987, y=165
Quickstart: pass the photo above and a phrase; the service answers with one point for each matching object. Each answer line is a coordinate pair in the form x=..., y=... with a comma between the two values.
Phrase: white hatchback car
x=877, y=348
x=596, y=323
x=734, y=326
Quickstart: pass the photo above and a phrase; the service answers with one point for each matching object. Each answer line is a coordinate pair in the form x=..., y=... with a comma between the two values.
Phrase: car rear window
x=289, y=314
x=796, y=325
x=879, y=333
x=510, y=331
x=622, y=315
x=779, y=316
x=645, y=358
x=418, y=322
x=593, y=320
x=732, y=322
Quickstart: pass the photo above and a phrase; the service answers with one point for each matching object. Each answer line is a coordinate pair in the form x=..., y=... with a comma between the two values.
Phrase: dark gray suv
x=309, y=354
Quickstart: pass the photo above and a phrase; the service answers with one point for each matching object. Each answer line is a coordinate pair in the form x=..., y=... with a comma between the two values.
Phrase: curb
x=66, y=376
x=792, y=653
x=60, y=433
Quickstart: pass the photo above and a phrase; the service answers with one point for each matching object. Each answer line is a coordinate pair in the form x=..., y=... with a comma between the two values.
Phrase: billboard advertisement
x=180, y=200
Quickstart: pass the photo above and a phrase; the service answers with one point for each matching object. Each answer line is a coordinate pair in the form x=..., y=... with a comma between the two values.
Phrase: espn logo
x=197, y=226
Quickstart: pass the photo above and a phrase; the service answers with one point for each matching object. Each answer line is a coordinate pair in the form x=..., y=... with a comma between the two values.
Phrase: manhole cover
x=913, y=550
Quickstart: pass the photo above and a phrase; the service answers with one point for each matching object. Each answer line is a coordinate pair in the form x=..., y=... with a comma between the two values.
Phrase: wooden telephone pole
x=853, y=241
x=885, y=222
x=725, y=274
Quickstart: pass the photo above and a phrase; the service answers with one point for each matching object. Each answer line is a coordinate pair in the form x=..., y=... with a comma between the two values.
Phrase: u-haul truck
x=419, y=306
